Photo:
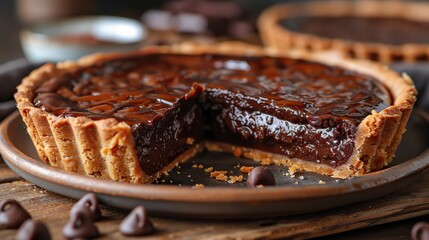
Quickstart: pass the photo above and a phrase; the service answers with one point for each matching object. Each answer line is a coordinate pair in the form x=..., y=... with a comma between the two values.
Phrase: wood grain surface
x=407, y=203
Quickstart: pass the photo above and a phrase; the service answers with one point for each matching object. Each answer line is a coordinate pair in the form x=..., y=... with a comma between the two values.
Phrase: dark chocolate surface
x=297, y=108
x=395, y=31
x=139, y=89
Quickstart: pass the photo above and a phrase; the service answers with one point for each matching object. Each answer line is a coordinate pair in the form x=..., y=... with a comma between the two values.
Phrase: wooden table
x=411, y=202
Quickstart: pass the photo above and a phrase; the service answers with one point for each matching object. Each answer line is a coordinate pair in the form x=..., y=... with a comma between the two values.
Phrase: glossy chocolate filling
x=296, y=108
x=395, y=31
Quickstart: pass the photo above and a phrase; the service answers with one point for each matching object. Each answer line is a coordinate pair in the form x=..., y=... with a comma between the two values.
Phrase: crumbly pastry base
x=276, y=36
x=293, y=164
x=105, y=148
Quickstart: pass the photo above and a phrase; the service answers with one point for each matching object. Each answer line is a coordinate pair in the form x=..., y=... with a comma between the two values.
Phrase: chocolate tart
x=385, y=31
x=131, y=117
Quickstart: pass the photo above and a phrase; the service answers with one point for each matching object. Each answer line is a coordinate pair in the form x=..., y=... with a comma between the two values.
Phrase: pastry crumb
x=245, y=169
x=190, y=141
x=291, y=170
x=219, y=175
x=200, y=166
x=301, y=177
x=296, y=182
x=260, y=186
x=198, y=185
x=222, y=176
x=234, y=179
x=266, y=161
x=209, y=169
x=321, y=182
x=237, y=152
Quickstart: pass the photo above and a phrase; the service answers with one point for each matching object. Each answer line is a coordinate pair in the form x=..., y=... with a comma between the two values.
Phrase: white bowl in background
x=73, y=38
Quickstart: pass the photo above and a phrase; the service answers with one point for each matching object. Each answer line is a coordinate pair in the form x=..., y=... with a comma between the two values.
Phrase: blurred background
x=235, y=23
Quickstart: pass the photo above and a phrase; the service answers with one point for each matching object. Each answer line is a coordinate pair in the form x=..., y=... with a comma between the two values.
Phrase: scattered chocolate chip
x=80, y=226
x=260, y=176
x=420, y=231
x=12, y=214
x=88, y=202
x=33, y=230
x=137, y=223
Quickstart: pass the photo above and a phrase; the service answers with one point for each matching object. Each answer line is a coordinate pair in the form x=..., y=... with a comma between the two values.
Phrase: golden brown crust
x=105, y=148
x=267, y=158
x=276, y=36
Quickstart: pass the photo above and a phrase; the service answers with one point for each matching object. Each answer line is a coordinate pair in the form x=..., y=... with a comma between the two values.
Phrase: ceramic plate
x=174, y=196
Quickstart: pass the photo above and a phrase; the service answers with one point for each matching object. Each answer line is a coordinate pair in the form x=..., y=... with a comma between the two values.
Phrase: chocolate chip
x=137, y=223
x=88, y=202
x=33, y=230
x=12, y=214
x=260, y=176
x=80, y=226
x=420, y=231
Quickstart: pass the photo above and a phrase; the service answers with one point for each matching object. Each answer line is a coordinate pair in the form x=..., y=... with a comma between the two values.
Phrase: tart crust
x=105, y=148
x=276, y=36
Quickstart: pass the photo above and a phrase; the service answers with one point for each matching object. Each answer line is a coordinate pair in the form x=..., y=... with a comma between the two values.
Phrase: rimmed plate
x=173, y=195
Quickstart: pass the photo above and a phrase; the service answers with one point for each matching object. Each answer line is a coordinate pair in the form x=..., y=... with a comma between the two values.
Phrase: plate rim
x=12, y=155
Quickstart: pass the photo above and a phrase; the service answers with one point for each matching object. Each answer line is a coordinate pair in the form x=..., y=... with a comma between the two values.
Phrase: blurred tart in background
x=385, y=31
x=203, y=21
